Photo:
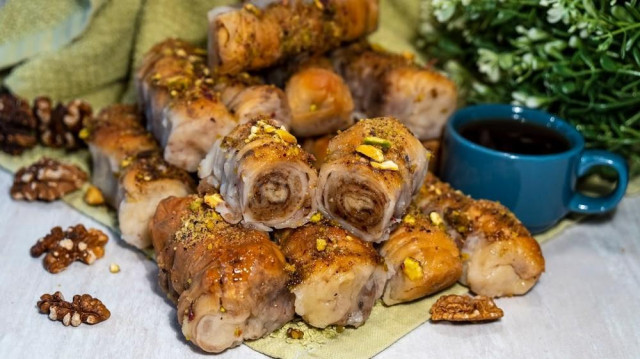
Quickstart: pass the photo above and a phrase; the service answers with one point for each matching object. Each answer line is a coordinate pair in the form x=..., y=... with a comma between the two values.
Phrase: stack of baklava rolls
x=313, y=196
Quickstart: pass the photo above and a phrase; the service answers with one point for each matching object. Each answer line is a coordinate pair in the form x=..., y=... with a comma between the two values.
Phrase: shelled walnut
x=464, y=308
x=83, y=309
x=46, y=180
x=17, y=125
x=60, y=126
x=65, y=247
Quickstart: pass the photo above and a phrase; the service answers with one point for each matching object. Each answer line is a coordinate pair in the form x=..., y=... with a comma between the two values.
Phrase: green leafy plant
x=579, y=59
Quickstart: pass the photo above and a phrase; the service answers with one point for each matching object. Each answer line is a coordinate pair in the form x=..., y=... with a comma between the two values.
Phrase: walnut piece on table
x=83, y=309
x=64, y=247
x=46, y=180
x=17, y=125
x=464, y=308
x=60, y=126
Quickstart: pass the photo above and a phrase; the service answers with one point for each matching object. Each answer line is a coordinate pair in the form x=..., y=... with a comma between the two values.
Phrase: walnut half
x=83, y=309
x=46, y=180
x=65, y=247
x=17, y=125
x=464, y=308
x=59, y=126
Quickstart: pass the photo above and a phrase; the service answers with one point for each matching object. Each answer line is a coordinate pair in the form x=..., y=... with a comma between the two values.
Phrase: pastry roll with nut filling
x=249, y=38
x=500, y=257
x=337, y=278
x=146, y=180
x=229, y=282
x=191, y=123
x=422, y=257
x=265, y=178
x=320, y=101
x=385, y=84
x=370, y=173
x=188, y=109
x=166, y=70
x=113, y=135
x=258, y=101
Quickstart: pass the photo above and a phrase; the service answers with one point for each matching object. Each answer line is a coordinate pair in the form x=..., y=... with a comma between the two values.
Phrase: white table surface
x=587, y=304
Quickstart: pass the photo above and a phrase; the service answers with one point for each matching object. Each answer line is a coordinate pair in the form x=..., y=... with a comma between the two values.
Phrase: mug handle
x=590, y=158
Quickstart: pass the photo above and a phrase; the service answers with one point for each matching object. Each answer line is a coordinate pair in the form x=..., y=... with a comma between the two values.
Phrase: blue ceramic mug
x=539, y=189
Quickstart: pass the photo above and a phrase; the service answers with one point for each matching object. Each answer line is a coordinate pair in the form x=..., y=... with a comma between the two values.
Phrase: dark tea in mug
x=512, y=136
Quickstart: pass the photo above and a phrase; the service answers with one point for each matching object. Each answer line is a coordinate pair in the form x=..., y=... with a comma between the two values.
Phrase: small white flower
x=574, y=41
x=584, y=33
x=443, y=9
x=480, y=88
x=488, y=64
x=554, y=46
x=555, y=13
x=522, y=98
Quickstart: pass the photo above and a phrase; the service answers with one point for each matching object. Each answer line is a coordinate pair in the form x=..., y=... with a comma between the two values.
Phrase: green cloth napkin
x=98, y=44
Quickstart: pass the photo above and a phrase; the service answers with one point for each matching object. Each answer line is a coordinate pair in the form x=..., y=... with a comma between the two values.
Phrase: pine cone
x=17, y=125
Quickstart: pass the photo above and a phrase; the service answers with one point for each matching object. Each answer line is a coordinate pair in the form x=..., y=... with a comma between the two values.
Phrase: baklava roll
x=191, y=123
x=337, y=278
x=385, y=84
x=146, y=180
x=500, y=257
x=167, y=69
x=370, y=173
x=265, y=178
x=113, y=135
x=422, y=257
x=249, y=38
x=229, y=282
x=254, y=101
x=320, y=101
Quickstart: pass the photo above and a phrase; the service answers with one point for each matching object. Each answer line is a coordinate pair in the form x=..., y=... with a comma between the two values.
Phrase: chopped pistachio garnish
x=222, y=310
x=321, y=244
x=377, y=141
x=386, y=165
x=289, y=268
x=84, y=133
x=114, y=268
x=313, y=107
x=317, y=217
x=409, y=219
x=252, y=9
x=295, y=333
x=412, y=269
x=195, y=205
x=435, y=218
x=93, y=196
x=372, y=152
x=269, y=129
x=212, y=200
x=464, y=257
x=286, y=136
